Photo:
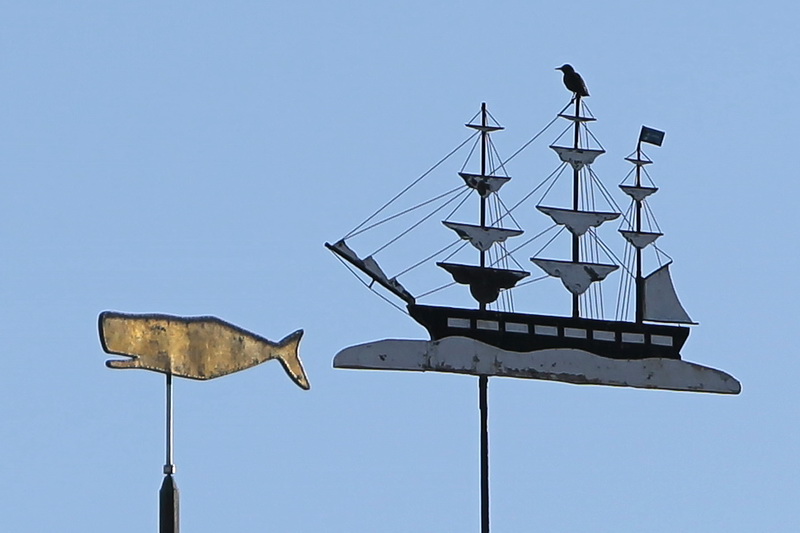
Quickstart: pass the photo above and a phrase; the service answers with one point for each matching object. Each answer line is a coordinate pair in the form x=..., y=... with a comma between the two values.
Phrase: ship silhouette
x=640, y=346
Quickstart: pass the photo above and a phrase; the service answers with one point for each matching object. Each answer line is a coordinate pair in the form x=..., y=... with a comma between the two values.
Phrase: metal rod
x=483, y=392
x=169, y=467
x=168, y=496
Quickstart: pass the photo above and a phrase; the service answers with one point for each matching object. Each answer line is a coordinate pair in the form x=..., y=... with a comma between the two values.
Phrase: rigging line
x=423, y=295
x=369, y=286
x=504, y=257
x=551, y=240
x=588, y=193
x=619, y=289
x=494, y=155
x=630, y=283
x=469, y=155
x=534, y=280
x=456, y=208
x=542, y=184
x=600, y=299
x=401, y=193
x=648, y=218
x=606, y=194
x=609, y=252
x=422, y=262
x=507, y=212
x=650, y=212
x=492, y=117
x=569, y=128
x=624, y=286
x=627, y=216
x=662, y=252
x=628, y=175
x=586, y=108
x=456, y=251
x=588, y=131
x=515, y=154
x=526, y=243
x=631, y=292
x=625, y=223
x=561, y=168
x=418, y=223
x=649, y=179
x=405, y=212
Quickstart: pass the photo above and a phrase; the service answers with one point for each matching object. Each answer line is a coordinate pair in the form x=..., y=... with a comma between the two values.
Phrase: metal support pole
x=483, y=392
x=169, y=516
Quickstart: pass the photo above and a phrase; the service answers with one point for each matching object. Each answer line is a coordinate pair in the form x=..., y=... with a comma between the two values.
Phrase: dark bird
x=573, y=81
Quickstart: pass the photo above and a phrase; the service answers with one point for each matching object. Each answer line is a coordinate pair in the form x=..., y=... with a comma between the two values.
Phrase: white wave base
x=462, y=355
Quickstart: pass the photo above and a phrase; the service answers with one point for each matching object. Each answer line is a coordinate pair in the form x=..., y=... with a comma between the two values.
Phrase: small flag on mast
x=649, y=135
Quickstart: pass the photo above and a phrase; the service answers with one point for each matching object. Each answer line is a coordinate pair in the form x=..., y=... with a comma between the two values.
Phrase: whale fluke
x=200, y=348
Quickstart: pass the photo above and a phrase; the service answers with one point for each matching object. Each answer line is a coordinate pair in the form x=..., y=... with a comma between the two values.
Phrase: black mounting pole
x=576, y=250
x=483, y=391
x=168, y=497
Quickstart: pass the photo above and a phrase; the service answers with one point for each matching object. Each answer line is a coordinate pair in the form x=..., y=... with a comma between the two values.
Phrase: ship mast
x=485, y=281
x=655, y=297
x=638, y=228
x=577, y=273
x=484, y=145
x=483, y=381
x=576, y=247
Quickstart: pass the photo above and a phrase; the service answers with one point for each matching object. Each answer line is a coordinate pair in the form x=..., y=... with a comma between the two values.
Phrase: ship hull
x=518, y=332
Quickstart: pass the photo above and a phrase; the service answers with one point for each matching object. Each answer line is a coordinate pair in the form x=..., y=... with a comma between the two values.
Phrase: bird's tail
x=288, y=352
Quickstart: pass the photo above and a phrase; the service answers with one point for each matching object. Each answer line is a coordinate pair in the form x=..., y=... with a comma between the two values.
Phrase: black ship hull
x=519, y=332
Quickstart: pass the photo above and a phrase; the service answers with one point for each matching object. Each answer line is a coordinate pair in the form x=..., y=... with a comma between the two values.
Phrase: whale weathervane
x=193, y=347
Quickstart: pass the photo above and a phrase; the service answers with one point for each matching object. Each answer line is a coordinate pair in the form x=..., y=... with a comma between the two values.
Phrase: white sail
x=480, y=237
x=577, y=222
x=577, y=157
x=370, y=267
x=576, y=277
x=485, y=185
x=661, y=303
x=640, y=239
x=638, y=193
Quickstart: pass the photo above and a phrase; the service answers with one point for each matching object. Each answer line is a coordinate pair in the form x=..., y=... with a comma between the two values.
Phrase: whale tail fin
x=288, y=352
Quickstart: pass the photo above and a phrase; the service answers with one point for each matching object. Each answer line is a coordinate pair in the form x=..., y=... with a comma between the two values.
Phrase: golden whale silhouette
x=202, y=347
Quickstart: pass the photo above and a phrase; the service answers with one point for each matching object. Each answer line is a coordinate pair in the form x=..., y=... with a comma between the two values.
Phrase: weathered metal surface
x=577, y=157
x=485, y=283
x=576, y=276
x=638, y=193
x=193, y=347
x=577, y=222
x=482, y=237
x=467, y=356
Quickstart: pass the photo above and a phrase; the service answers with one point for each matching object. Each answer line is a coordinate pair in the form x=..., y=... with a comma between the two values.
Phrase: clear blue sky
x=192, y=158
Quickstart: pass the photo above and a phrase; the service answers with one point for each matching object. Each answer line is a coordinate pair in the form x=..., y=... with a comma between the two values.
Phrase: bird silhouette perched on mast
x=573, y=81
